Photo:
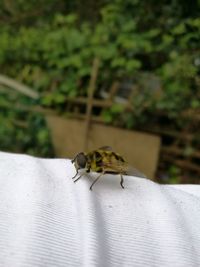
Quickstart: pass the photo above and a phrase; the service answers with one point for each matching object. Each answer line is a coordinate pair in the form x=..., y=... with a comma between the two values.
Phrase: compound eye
x=81, y=160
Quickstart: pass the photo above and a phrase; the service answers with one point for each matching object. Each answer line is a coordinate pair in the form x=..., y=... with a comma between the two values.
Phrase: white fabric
x=47, y=220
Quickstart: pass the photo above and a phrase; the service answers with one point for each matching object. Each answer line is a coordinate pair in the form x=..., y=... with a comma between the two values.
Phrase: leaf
x=179, y=29
x=132, y=65
x=118, y=62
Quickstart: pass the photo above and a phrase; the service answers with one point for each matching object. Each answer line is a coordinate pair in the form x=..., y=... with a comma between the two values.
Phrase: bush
x=150, y=43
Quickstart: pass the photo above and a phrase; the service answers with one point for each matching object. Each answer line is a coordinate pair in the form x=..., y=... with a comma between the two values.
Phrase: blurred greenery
x=51, y=46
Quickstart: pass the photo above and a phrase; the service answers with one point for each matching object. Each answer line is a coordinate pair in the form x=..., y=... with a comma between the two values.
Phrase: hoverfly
x=103, y=160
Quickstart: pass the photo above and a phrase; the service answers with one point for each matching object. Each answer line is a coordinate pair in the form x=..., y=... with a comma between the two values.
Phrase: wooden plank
x=19, y=87
x=113, y=90
x=91, y=90
x=171, y=133
x=179, y=152
x=182, y=163
x=140, y=149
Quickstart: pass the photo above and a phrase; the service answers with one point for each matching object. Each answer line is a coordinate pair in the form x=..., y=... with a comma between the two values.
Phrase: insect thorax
x=100, y=160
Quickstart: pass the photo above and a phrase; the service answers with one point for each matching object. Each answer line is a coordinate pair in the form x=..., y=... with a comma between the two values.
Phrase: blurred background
x=75, y=74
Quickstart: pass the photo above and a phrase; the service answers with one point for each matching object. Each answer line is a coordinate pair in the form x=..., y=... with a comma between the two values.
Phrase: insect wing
x=105, y=148
x=132, y=171
x=113, y=165
x=123, y=168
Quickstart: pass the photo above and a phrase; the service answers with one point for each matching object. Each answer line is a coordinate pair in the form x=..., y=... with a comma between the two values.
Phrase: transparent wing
x=123, y=168
x=132, y=171
x=106, y=148
x=120, y=167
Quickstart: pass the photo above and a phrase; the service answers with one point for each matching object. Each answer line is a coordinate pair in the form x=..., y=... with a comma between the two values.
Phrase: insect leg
x=78, y=178
x=75, y=174
x=122, y=181
x=96, y=180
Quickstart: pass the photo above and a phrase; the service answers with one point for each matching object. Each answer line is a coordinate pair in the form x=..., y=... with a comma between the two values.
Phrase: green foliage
x=31, y=137
x=113, y=113
x=174, y=175
x=136, y=40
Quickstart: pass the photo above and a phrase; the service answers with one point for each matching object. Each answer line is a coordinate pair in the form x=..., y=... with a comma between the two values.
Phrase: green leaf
x=118, y=62
x=179, y=29
x=117, y=108
x=107, y=116
x=195, y=103
x=132, y=65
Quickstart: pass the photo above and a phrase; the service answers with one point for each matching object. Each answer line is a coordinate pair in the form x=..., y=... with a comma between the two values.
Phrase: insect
x=103, y=160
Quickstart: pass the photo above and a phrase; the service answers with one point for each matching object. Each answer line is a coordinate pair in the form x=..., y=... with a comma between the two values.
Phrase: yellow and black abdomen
x=105, y=161
x=95, y=161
